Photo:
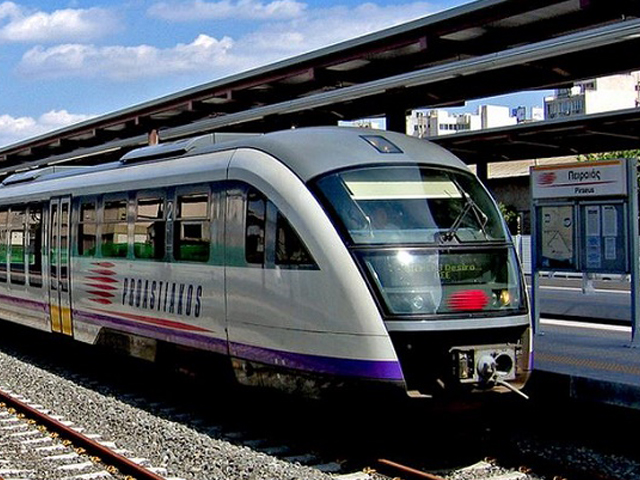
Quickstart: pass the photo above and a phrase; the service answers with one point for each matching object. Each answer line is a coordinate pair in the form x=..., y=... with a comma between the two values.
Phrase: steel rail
x=106, y=455
x=409, y=470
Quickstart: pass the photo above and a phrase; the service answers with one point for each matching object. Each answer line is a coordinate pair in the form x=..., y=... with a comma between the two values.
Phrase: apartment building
x=615, y=92
x=430, y=123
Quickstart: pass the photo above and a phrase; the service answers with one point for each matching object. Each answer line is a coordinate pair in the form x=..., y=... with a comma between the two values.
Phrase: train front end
x=436, y=255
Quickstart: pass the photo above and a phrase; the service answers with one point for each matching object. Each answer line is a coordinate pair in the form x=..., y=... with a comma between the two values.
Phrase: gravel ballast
x=182, y=450
x=191, y=448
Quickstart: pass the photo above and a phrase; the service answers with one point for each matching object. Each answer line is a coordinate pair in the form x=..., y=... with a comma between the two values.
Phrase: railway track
x=79, y=445
x=189, y=432
x=35, y=443
x=137, y=418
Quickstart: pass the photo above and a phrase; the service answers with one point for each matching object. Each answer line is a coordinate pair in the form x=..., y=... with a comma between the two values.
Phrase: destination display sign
x=584, y=179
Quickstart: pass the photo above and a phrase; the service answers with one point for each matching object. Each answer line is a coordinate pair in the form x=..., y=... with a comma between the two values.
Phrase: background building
x=615, y=92
x=528, y=114
x=431, y=123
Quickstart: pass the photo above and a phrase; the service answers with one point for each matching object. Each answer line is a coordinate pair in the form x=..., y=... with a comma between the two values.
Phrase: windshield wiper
x=469, y=205
x=365, y=217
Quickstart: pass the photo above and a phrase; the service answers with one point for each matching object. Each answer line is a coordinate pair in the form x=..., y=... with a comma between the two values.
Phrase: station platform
x=586, y=361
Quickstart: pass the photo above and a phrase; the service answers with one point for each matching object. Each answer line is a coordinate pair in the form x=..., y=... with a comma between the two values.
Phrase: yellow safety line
x=589, y=363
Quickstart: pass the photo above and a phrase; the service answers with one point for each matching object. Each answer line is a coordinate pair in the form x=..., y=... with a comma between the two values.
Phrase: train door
x=59, y=266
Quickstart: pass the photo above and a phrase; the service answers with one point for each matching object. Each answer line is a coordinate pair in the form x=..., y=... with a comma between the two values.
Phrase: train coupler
x=484, y=365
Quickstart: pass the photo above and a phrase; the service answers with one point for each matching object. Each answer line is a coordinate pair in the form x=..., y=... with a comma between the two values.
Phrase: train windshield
x=384, y=205
x=413, y=281
x=431, y=241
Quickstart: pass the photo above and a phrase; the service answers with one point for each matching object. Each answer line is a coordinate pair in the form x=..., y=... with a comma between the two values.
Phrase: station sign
x=585, y=220
x=581, y=180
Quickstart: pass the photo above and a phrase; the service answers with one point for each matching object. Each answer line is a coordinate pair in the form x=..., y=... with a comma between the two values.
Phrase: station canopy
x=482, y=49
x=576, y=135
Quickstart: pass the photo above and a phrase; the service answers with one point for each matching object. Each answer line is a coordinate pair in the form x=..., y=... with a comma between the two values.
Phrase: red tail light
x=467, y=300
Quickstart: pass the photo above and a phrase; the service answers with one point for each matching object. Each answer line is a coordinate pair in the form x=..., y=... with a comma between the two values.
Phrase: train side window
x=53, y=253
x=63, y=244
x=255, y=227
x=4, y=257
x=192, y=228
x=87, y=230
x=218, y=205
x=17, y=217
x=34, y=245
x=149, y=230
x=290, y=251
x=115, y=229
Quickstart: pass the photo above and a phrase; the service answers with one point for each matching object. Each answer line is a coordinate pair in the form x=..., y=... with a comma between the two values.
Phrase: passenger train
x=309, y=260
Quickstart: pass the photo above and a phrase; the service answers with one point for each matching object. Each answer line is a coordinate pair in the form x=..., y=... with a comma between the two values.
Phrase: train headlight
x=417, y=303
x=505, y=298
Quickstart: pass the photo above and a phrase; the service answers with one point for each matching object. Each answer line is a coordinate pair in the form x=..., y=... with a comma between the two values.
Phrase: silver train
x=310, y=260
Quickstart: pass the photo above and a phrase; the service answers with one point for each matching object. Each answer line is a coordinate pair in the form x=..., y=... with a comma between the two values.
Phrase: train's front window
x=445, y=281
x=430, y=241
x=384, y=205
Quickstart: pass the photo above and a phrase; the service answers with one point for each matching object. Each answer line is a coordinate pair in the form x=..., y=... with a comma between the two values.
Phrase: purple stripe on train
x=190, y=339
x=25, y=303
x=374, y=369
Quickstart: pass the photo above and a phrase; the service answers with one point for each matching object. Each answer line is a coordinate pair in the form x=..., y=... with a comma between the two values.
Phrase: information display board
x=586, y=220
x=580, y=217
x=557, y=249
x=605, y=248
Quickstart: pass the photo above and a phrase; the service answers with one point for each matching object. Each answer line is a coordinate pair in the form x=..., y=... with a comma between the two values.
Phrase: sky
x=62, y=62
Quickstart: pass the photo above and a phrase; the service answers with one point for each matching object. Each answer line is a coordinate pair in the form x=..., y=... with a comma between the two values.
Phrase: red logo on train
x=99, y=283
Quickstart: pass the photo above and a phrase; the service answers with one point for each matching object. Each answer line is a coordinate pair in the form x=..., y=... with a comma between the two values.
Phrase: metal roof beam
x=613, y=134
x=610, y=35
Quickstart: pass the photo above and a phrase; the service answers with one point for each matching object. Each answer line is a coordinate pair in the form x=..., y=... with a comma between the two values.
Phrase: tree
x=510, y=216
x=591, y=157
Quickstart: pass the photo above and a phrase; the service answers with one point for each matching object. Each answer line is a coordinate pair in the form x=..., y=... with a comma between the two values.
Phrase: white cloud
x=60, y=118
x=125, y=63
x=14, y=129
x=322, y=27
x=19, y=25
x=216, y=57
x=9, y=9
x=182, y=11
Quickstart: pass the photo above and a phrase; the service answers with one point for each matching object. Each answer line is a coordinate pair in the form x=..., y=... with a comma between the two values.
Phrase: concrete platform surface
x=586, y=361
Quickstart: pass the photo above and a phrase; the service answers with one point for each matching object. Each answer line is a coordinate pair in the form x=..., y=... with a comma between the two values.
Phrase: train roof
x=307, y=152
x=311, y=152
